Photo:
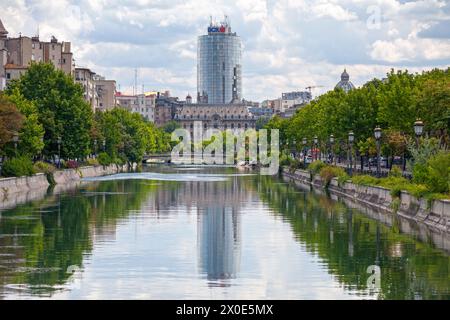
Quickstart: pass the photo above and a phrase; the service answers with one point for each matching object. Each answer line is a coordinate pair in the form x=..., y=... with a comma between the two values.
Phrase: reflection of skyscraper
x=219, y=242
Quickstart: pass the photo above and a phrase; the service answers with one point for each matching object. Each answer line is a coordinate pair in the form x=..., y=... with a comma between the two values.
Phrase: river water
x=209, y=233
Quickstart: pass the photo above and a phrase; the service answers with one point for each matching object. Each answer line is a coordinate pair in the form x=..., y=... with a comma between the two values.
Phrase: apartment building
x=86, y=78
x=289, y=99
x=106, y=92
x=144, y=104
x=17, y=53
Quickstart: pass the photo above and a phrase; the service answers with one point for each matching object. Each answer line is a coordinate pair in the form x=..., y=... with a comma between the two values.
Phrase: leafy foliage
x=11, y=120
x=17, y=167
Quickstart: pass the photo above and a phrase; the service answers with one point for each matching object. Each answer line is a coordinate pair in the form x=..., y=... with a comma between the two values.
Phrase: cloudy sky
x=288, y=44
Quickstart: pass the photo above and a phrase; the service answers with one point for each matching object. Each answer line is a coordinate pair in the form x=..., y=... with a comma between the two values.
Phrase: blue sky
x=288, y=44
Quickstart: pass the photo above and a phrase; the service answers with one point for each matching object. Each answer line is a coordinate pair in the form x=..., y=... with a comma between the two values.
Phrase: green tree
x=11, y=121
x=32, y=132
x=62, y=110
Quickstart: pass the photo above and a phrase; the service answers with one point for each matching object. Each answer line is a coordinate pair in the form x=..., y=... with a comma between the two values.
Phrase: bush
x=295, y=164
x=71, y=164
x=420, y=173
x=395, y=172
x=285, y=160
x=438, y=179
x=315, y=167
x=329, y=172
x=365, y=180
x=44, y=167
x=17, y=167
x=104, y=159
x=92, y=162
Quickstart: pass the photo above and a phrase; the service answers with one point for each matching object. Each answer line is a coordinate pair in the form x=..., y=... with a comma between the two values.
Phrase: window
x=8, y=76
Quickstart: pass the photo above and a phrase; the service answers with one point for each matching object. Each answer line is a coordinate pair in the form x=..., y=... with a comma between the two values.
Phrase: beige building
x=18, y=53
x=106, y=92
x=222, y=117
x=144, y=104
x=85, y=77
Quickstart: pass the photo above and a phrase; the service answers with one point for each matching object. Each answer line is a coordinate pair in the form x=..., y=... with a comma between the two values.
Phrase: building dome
x=345, y=83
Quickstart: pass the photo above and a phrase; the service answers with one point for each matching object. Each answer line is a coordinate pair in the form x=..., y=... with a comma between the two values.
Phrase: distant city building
x=274, y=104
x=106, y=92
x=86, y=78
x=144, y=104
x=16, y=54
x=289, y=99
x=166, y=107
x=345, y=83
x=219, y=66
x=217, y=116
x=260, y=112
x=292, y=110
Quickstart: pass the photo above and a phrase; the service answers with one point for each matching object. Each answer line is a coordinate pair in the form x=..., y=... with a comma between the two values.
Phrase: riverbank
x=435, y=213
x=18, y=190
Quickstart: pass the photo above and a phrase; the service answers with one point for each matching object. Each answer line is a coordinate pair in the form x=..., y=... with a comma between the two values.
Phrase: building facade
x=144, y=104
x=290, y=99
x=86, y=78
x=219, y=66
x=216, y=116
x=16, y=54
x=166, y=108
x=106, y=92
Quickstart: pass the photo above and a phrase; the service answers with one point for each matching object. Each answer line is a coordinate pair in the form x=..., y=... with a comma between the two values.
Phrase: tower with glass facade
x=219, y=68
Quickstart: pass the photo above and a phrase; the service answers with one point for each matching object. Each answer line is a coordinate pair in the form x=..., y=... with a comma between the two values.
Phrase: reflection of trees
x=51, y=235
x=349, y=242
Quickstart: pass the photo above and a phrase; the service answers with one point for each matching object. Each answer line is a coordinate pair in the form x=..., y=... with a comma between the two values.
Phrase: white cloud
x=288, y=44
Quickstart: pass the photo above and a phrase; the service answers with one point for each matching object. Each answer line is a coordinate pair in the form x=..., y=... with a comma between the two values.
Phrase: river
x=209, y=233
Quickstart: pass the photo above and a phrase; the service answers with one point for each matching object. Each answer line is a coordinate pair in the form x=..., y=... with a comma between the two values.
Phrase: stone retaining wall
x=17, y=190
x=435, y=214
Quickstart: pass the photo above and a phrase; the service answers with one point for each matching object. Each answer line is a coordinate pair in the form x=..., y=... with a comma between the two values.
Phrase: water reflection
x=245, y=237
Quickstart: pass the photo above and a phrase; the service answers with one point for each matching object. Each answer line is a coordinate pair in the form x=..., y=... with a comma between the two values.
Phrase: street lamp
x=95, y=147
x=331, y=148
x=316, y=141
x=305, y=141
x=418, y=130
x=294, y=147
x=15, y=140
x=377, y=134
x=104, y=145
x=351, y=139
x=59, y=141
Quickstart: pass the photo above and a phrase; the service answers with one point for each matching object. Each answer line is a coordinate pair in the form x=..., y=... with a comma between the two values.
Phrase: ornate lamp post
x=377, y=134
x=418, y=130
x=15, y=140
x=104, y=145
x=59, y=141
x=331, y=148
x=95, y=147
x=294, y=148
x=351, y=139
x=305, y=142
x=316, y=142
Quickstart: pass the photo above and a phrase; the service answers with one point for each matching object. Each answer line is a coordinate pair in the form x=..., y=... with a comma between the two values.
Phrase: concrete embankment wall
x=17, y=190
x=435, y=214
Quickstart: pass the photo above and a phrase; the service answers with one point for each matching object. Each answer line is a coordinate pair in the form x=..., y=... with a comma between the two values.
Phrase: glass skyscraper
x=219, y=68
